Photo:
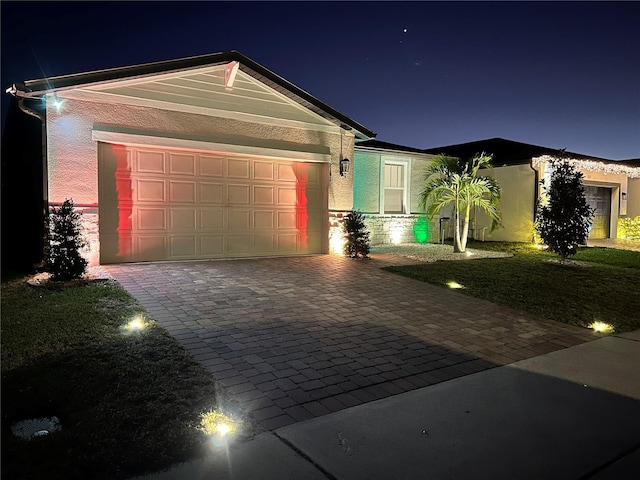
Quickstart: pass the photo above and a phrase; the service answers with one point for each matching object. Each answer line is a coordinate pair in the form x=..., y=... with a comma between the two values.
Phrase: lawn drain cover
x=35, y=427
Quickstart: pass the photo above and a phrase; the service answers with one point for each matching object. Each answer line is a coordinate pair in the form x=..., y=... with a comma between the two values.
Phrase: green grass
x=607, y=289
x=128, y=402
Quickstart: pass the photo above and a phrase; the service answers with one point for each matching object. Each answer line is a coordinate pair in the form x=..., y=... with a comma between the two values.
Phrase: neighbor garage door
x=162, y=204
x=599, y=198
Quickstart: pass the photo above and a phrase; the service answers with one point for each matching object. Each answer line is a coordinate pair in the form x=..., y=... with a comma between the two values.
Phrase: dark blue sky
x=422, y=74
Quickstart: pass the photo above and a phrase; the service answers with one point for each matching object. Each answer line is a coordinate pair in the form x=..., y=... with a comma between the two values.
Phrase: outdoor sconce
x=344, y=167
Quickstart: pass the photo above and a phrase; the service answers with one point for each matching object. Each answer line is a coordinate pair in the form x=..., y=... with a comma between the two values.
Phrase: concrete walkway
x=297, y=338
x=570, y=414
x=633, y=245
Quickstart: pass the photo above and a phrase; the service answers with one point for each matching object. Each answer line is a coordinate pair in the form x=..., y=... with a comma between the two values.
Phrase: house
x=211, y=156
x=216, y=156
x=611, y=187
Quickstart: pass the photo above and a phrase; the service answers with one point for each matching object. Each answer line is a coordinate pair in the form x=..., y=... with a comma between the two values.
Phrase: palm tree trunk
x=465, y=231
x=457, y=245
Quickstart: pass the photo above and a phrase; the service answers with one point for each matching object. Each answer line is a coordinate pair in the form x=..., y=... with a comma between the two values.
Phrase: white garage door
x=161, y=204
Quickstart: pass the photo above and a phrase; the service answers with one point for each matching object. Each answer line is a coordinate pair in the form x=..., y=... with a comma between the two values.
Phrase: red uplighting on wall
x=302, y=215
x=125, y=200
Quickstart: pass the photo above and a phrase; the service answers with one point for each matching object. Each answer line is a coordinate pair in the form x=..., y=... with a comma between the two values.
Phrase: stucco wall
x=418, y=169
x=73, y=157
x=516, y=205
x=633, y=197
x=366, y=189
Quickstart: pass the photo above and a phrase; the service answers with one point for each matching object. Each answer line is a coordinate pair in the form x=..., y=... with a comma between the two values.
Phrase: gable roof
x=39, y=87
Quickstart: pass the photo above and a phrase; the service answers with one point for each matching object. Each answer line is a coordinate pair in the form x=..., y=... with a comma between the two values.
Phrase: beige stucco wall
x=73, y=155
x=633, y=197
x=516, y=205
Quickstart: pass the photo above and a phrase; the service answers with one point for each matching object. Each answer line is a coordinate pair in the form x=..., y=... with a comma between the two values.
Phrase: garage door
x=599, y=198
x=161, y=204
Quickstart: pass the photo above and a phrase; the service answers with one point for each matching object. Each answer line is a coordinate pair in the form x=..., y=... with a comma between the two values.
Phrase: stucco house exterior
x=203, y=157
x=611, y=187
x=216, y=156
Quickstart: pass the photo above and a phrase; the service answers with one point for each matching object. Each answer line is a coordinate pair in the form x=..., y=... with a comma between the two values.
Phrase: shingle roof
x=33, y=88
x=505, y=152
x=388, y=146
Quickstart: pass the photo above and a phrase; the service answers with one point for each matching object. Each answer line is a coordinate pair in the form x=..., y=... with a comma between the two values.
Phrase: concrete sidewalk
x=570, y=414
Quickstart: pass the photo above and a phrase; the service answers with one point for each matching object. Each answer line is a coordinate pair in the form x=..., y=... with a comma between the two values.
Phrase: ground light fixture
x=136, y=324
x=218, y=426
x=454, y=285
x=601, y=327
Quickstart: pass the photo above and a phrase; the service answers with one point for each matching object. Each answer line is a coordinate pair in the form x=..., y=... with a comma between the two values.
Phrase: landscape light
x=454, y=285
x=601, y=327
x=137, y=323
x=217, y=424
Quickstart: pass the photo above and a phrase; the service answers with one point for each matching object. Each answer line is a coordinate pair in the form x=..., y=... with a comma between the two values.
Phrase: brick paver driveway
x=294, y=338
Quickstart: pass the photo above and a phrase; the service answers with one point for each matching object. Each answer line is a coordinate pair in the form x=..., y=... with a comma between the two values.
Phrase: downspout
x=45, y=170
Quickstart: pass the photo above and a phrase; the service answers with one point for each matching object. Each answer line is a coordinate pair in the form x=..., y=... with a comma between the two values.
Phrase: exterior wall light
x=344, y=167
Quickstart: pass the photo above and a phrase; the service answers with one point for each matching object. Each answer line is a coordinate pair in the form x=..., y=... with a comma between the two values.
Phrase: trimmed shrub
x=629, y=228
x=64, y=261
x=357, y=235
x=563, y=222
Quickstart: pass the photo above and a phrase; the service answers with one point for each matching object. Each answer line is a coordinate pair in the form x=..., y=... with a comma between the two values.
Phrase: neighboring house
x=216, y=156
x=203, y=157
x=612, y=187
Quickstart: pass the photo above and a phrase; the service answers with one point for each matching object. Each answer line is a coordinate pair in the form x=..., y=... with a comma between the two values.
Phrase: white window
x=394, y=188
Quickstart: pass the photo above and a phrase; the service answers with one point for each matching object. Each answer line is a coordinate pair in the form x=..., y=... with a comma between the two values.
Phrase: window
x=394, y=186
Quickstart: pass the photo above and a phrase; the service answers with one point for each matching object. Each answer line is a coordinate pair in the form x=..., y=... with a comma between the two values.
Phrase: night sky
x=421, y=74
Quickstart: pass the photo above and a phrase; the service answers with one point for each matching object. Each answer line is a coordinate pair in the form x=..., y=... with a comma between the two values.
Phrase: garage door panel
x=150, y=190
x=212, y=246
x=287, y=196
x=288, y=243
x=182, y=164
x=212, y=219
x=286, y=173
x=313, y=241
x=239, y=220
x=237, y=168
x=239, y=245
x=263, y=220
x=263, y=194
x=182, y=192
x=211, y=166
x=184, y=247
x=189, y=204
x=286, y=220
x=264, y=244
x=150, y=247
x=182, y=219
x=212, y=193
x=263, y=170
x=150, y=218
x=150, y=162
x=238, y=194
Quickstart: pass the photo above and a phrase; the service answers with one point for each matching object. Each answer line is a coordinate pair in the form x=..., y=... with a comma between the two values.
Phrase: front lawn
x=604, y=287
x=128, y=402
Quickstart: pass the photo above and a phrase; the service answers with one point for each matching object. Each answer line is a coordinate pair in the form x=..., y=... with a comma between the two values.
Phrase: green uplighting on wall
x=421, y=229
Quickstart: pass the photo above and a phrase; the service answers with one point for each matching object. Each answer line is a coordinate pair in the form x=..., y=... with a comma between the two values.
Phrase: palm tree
x=450, y=181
